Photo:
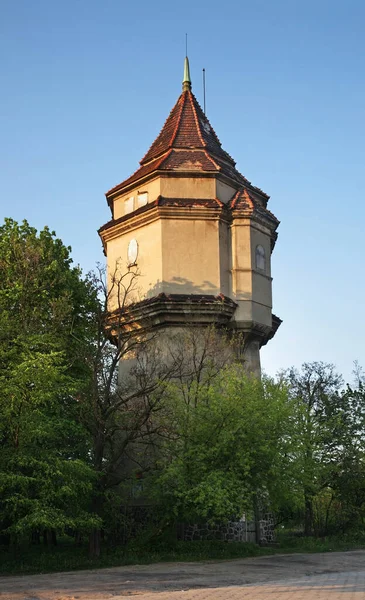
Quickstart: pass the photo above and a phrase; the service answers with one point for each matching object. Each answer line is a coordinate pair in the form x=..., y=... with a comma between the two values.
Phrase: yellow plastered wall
x=190, y=251
x=187, y=187
x=224, y=192
x=261, y=280
x=149, y=260
x=261, y=314
x=225, y=260
x=261, y=236
x=153, y=188
x=241, y=259
x=251, y=288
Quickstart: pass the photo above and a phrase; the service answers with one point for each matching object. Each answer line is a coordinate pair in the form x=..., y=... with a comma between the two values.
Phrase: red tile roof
x=187, y=127
x=247, y=202
x=187, y=142
x=141, y=172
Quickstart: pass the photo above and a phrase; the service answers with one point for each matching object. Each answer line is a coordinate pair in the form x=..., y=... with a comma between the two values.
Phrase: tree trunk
x=257, y=515
x=94, y=543
x=49, y=538
x=78, y=538
x=36, y=537
x=95, y=533
x=308, y=516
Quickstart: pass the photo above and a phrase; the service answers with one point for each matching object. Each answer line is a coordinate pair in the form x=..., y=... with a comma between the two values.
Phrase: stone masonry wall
x=233, y=531
x=267, y=531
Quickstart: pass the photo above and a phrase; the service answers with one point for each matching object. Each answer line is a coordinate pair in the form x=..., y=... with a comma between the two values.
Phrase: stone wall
x=139, y=518
x=267, y=531
x=233, y=531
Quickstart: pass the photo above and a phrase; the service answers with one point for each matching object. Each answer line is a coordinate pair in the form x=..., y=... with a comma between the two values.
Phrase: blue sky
x=86, y=86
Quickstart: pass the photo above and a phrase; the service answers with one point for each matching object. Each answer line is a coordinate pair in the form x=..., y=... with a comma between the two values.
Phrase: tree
x=44, y=320
x=348, y=481
x=125, y=391
x=225, y=434
x=69, y=425
x=318, y=429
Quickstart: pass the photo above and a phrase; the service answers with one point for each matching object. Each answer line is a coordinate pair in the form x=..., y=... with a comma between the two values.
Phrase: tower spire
x=186, y=81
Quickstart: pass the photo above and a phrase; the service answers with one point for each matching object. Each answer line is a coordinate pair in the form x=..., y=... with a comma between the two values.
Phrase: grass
x=68, y=557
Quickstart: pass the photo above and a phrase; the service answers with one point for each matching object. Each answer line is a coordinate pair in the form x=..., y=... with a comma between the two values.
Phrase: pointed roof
x=187, y=142
x=246, y=202
x=187, y=127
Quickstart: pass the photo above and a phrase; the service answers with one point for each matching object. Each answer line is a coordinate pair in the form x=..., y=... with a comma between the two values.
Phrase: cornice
x=258, y=331
x=154, y=212
x=181, y=310
x=260, y=218
x=175, y=310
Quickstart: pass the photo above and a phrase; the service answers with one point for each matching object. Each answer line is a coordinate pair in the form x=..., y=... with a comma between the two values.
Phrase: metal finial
x=186, y=81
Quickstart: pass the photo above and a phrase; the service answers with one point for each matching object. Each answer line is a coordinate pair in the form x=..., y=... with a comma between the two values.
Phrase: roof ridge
x=142, y=161
x=254, y=205
x=235, y=198
x=229, y=158
x=249, y=198
x=164, y=157
x=177, y=126
x=197, y=120
x=212, y=159
x=159, y=160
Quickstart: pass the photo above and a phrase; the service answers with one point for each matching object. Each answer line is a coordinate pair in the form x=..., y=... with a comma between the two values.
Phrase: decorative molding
x=179, y=310
x=154, y=211
x=176, y=310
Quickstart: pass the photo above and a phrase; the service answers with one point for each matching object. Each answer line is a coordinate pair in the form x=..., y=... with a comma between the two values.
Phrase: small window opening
x=128, y=205
x=142, y=199
x=260, y=258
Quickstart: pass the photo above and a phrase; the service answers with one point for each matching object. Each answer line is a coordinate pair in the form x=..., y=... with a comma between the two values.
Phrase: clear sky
x=86, y=86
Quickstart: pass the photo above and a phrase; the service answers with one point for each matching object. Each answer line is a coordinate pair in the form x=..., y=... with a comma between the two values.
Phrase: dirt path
x=104, y=584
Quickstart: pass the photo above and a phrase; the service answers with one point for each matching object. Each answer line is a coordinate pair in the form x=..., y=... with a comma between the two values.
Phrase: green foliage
x=325, y=460
x=225, y=446
x=210, y=441
x=44, y=318
x=67, y=556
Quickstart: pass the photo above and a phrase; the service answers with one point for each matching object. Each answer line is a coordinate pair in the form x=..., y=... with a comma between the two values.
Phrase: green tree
x=320, y=425
x=348, y=481
x=45, y=308
x=122, y=396
x=226, y=440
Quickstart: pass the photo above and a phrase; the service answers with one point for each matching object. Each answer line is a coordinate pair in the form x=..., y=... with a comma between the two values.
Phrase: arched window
x=260, y=258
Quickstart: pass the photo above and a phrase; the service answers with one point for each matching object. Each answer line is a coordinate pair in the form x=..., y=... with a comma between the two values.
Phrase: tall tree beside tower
x=44, y=322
